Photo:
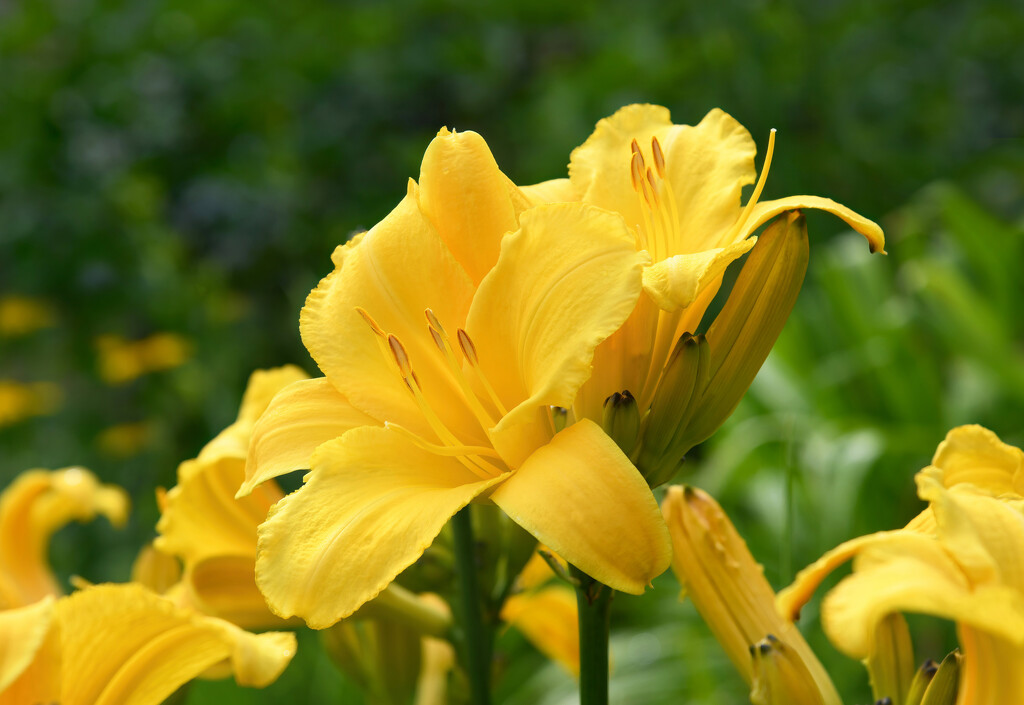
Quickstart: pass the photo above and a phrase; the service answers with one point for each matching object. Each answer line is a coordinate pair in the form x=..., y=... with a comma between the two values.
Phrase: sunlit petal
x=552, y=191
x=300, y=418
x=582, y=497
x=458, y=168
x=975, y=455
x=371, y=505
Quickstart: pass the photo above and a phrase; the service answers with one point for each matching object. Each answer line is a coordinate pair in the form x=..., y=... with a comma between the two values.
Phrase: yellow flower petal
x=23, y=633
x=676, y=282
x=547, y=617
x=459, y=168
x=582, y=497
x=975, y=455
x=123, y=645
x=225, y=587
x=912, y=573
x=399, y=269
x=992, y=671
x=32, y=509
x=300, y=418
x=370, y=506
x=155, y=569
x=766, y=210
x=564, y=282
x=263, y=386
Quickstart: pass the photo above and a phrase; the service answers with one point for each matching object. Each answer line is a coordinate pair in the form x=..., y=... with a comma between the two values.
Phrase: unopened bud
x=622, y=420
x=922, y=678
x=943, y=688
x=891, y=661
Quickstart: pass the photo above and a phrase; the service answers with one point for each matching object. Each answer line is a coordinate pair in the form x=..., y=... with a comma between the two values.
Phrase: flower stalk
x=476, y=634
x=594, y=602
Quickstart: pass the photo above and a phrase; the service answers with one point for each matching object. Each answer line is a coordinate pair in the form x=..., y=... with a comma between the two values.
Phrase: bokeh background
x=178, y=172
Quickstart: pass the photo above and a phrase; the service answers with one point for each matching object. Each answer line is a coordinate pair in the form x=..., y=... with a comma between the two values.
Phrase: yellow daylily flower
x=728, y=588
x=679, y=189
x=20, y=400
x=32, y=509
x=209, y=529
x=124, y=645
x=21, y=315
x=452, y=327
x=963, y=560
x=121, y=361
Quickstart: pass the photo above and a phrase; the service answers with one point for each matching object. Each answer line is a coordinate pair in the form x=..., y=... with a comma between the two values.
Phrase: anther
x=659, y=156
x=634, y=147
x=636, y=168
x=468, y=349
x=653, y=184
x=401, y=357
x=438, y=339
x=434, y=322
x=372, y=323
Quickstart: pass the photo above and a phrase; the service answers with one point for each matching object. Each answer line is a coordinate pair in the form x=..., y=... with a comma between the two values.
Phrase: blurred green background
x=187, y=167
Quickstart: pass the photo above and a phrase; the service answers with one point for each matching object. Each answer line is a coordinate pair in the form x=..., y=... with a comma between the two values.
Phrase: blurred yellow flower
x=451, y=328
x=32, y=509
x=545, y=612
x=21, y=315
x=728, y=588
x=962, y=559
x=678, y=188
x=19, y=401
x=212, y=532
x=122, y=361
x=124, y=645
x=125, y=440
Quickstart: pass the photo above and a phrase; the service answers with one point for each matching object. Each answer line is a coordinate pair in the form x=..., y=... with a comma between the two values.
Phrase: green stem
x=476, y=636
x=594, y=601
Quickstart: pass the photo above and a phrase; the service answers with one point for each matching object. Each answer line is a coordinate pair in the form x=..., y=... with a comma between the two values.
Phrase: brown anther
x=634, y=147
x=433, y=320
x=636, y=171
x=654, y=186
x=370, y=322
x=468, y=349
x=401, y=357
x=659, y=156
x=438, y=340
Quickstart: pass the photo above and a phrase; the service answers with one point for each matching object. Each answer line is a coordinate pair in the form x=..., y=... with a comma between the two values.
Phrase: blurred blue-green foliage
x=188, y=166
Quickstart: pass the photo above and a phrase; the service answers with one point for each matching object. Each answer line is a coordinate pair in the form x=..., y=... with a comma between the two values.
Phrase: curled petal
x=766, y=210
x=582, y=497
x=676, y=282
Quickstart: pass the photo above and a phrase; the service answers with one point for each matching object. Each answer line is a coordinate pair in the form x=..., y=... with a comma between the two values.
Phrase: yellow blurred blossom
x=122, y=360
x=125, y=440
x=21, y=315
x=19, y=401
x=32, y=509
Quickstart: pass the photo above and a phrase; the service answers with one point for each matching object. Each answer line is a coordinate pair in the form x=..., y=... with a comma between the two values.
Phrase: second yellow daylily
x=962, y=559
x=211, y=531
x=679, y=189
x=446, y=334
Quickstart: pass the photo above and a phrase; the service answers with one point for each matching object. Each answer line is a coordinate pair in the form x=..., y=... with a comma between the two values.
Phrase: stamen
x=434, y=322
x=654, y=186
x=469, y=350
x=745, y=215
x=659, y=156
x=372, y=323
x=634, y=147
x=401, y=357
x=436, y=449
x=636, y=168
